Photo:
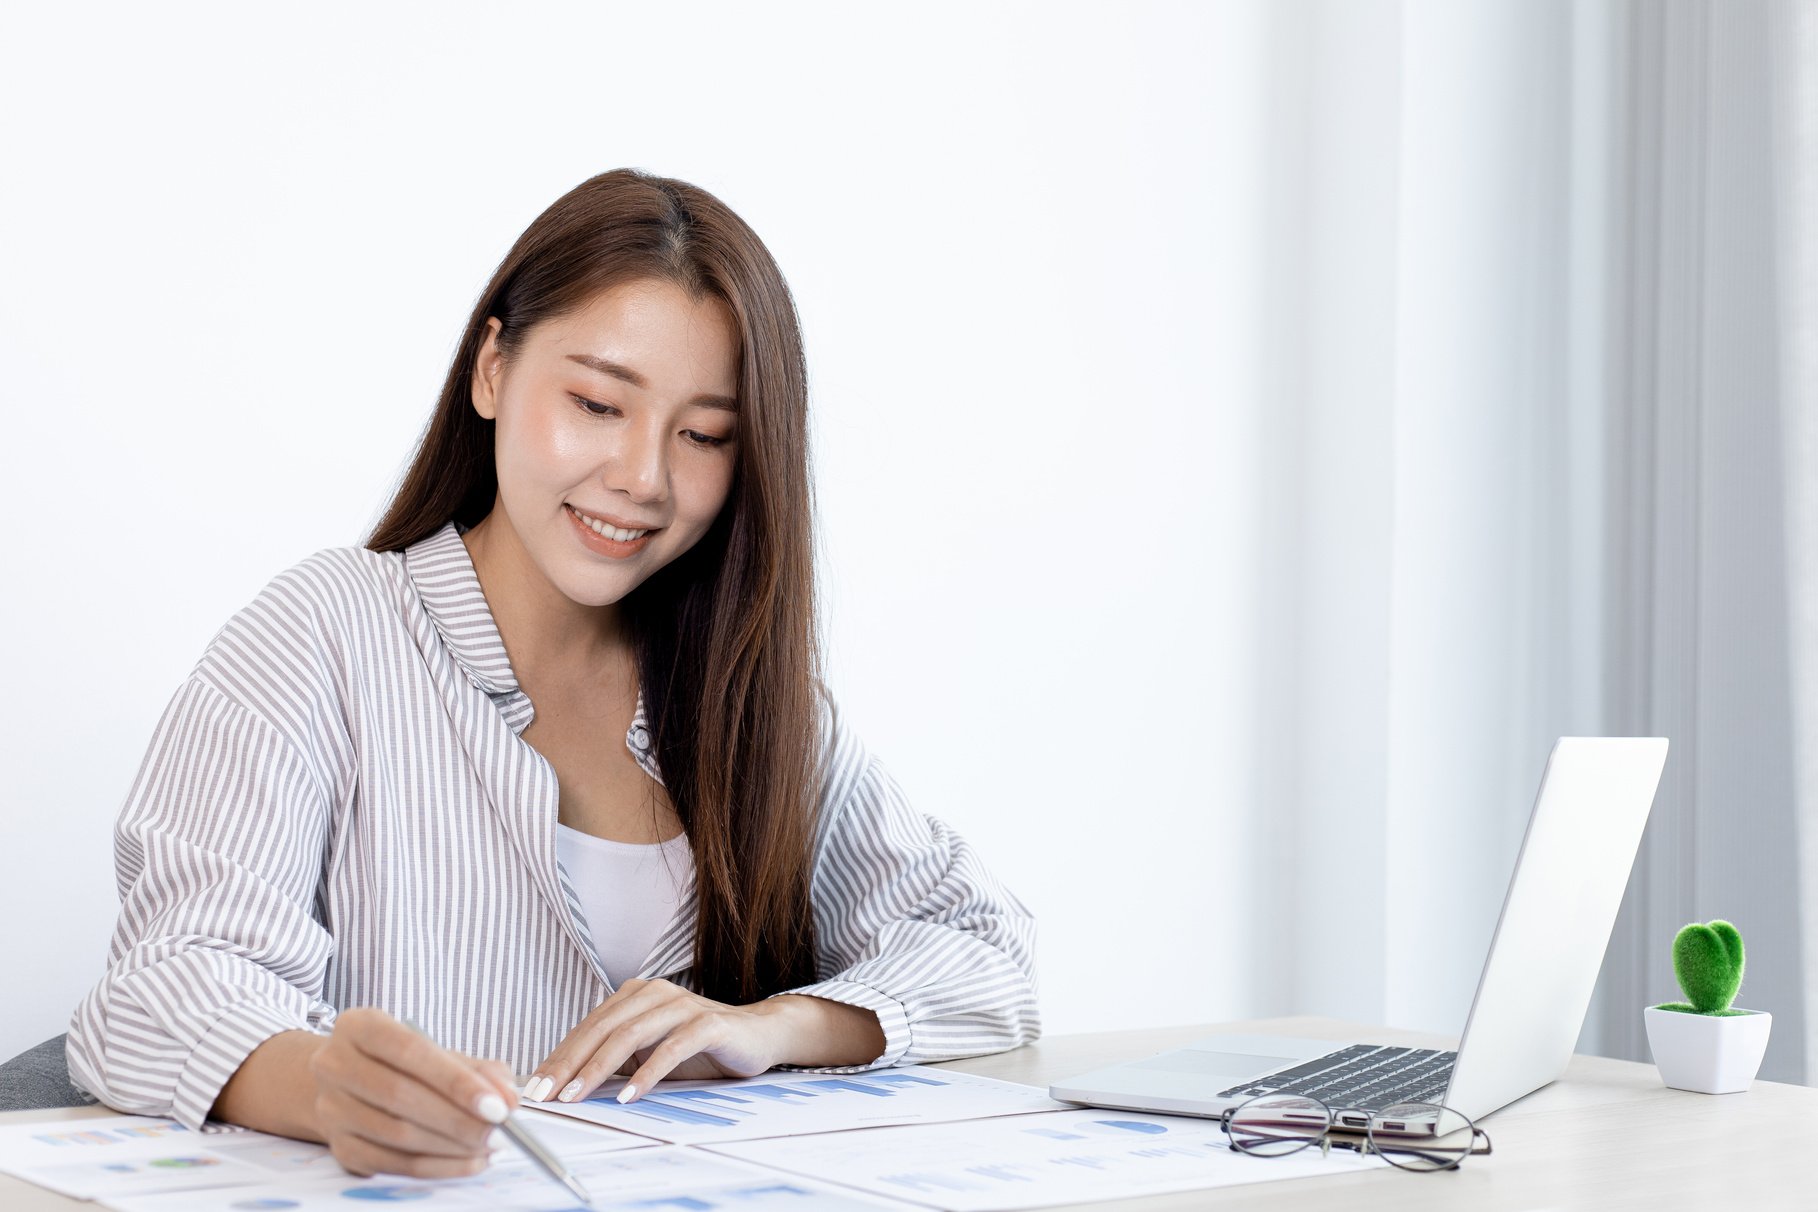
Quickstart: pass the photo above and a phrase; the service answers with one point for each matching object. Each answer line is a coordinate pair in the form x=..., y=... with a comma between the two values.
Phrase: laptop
x=1556, y=919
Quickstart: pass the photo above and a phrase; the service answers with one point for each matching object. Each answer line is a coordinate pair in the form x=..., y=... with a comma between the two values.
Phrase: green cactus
x=1707, y=959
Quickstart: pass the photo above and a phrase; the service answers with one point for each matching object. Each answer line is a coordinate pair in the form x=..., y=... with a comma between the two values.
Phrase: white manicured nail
x=495, y=1139
x=538, y=1089
x=492, y=1109
x=628, y=1093
x=571, y=1091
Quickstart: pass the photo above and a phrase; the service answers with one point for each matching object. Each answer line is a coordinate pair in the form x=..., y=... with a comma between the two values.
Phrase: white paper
x=1032, y=1161
x=658, y=1179
x=792, y=1104
x=566, y=1137
x=135, y=1154
x=93, y=1159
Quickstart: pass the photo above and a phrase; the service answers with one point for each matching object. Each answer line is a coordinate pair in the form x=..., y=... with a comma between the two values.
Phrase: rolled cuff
x=218, y=1055
x=890, y=1016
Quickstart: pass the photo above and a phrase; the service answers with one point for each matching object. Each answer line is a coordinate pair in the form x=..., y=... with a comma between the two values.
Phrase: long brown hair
x=725, y=639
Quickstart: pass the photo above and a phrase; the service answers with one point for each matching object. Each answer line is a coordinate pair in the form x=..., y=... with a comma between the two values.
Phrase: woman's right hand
x=389, y=1099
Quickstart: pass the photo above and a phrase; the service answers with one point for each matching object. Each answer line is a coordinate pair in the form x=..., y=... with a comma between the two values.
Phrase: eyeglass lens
x=1414, y=1136
x=1274, y=1124
x=1421, y=1136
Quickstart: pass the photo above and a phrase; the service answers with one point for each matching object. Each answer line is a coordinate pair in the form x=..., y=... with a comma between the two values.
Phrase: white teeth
x=611, y=532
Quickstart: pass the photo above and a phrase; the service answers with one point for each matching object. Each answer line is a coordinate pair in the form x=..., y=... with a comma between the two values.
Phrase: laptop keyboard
x=1363, y=1077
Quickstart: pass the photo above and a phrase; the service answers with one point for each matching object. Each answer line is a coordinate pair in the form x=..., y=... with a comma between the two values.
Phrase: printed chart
x=657, y=1179
x=1032, y=1161
x=140, y=1154
x=776, y=1104
x=566, y=1137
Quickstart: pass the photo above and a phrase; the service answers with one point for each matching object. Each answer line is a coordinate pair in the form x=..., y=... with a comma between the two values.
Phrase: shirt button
x=640, y=737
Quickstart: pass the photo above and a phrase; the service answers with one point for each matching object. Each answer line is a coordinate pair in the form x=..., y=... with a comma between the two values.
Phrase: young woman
x=545, y=769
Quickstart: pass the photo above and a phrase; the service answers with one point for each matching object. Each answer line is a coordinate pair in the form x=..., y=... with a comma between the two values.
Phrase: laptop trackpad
x=1193, y=1060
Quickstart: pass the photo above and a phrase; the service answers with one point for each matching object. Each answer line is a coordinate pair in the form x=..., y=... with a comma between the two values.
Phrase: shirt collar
x=442, y=571
x=443, y=574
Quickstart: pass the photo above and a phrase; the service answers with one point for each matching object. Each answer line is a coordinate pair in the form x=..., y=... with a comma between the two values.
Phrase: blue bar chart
x=789, y=1105
x=654, y=1179
x=1034, y=1161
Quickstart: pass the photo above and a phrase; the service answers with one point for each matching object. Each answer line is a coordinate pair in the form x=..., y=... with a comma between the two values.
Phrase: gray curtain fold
x=1540, y=461
x=1795, y=39
x=1701, y=593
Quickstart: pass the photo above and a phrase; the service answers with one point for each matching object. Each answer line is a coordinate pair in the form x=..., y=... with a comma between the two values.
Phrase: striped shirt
x=337, y=809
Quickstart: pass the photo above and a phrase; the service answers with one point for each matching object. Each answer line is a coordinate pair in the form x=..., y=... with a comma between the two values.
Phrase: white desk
x=1608, y=1135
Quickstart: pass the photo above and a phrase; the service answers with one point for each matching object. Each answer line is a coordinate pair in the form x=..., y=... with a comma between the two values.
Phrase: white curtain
x=1795, y=36
x=1522, y=436
x=1703, y=584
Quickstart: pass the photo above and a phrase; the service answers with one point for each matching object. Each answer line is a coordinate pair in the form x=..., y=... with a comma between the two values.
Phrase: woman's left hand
x=666, y=1031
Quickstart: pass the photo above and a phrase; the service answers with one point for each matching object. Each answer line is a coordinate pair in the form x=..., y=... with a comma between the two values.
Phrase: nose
x=638, y=466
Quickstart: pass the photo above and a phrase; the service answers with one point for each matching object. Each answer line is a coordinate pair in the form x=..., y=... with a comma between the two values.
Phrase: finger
x=446, y=1073
x=378, y=1126
x=499, y=1075
x=645, y=1031
x=342, y=1112
x=354, y=1075
x=362, y=1157
x=558, y=1070
x=560, y=1066
x=696, y=1037
x=502, y=1078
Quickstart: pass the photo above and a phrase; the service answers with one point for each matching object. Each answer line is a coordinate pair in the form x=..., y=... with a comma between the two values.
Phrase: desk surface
x=1606, y=1135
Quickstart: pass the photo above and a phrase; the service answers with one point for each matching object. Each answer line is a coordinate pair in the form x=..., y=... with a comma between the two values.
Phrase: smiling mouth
x=618, y=534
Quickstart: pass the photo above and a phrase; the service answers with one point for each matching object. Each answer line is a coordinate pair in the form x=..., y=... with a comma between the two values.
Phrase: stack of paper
x=903, y=1139
x=785, y=1104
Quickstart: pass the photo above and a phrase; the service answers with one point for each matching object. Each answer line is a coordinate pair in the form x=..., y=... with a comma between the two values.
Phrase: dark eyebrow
x=608, y=367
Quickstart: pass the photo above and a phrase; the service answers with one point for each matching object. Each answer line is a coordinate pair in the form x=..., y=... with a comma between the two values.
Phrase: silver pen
x=538, y=1153
x=533, y=1148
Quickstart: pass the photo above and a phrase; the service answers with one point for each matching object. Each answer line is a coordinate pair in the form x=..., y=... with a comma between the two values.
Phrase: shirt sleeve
x=219, y=852
x=911, y=924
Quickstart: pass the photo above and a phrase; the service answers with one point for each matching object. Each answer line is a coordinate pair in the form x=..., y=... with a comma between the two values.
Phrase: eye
x=592, y=409
x=703, y=439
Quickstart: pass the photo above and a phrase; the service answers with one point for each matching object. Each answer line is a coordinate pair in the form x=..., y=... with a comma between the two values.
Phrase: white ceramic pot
x=1710, y=1054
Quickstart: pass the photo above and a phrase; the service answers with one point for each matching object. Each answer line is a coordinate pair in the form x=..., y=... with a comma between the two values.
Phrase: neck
x=547, y=635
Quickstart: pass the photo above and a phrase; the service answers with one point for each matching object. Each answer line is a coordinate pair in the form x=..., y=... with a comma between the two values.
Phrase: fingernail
x=628, y=1093
x=538, y=1089
x=571, y=1090
x=492, y=1109
x=495, y=1139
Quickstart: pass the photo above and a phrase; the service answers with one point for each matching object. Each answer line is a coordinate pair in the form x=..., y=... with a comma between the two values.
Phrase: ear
x=488, y=366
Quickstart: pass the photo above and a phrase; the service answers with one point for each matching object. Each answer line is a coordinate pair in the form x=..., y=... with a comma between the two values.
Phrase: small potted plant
x=1701, y=1043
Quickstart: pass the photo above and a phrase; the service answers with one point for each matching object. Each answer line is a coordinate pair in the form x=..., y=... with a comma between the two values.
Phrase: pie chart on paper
x=387, y=1195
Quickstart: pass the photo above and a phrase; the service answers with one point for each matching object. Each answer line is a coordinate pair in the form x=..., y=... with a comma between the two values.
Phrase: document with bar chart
x=657, y=1179
x=130, y=1154
x=792, y=1104
x=139, y=1155
x=1032, y=1161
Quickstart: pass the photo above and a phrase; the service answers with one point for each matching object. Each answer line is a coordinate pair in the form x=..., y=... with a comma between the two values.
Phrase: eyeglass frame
x=1364, y=1146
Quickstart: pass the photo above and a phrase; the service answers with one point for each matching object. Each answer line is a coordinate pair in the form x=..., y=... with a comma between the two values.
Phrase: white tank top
x=628, y=893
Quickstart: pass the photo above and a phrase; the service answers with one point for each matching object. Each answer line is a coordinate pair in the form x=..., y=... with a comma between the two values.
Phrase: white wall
x=238, y=244
x=1225, y=415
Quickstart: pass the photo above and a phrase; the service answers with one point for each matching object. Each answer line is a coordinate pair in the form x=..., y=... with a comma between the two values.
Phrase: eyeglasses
x=1414, y=1136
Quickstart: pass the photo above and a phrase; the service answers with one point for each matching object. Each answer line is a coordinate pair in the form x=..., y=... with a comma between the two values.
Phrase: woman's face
x=620, y=417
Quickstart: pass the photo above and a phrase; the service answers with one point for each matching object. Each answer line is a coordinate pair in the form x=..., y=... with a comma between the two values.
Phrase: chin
x=592, y=591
